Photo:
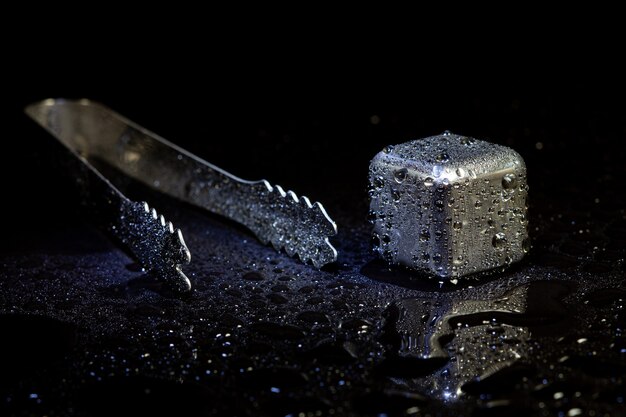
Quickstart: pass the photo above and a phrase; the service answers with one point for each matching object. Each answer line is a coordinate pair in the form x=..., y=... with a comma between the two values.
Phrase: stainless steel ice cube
x=449, y=205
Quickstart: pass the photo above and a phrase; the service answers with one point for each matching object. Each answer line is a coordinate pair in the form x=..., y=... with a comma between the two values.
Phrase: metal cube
x=449, y=205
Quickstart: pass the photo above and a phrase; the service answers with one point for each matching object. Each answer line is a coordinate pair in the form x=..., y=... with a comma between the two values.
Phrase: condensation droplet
x=400, y=175
x=375, y=241
x=509, y=181
x=467, y=140
x=499, y=241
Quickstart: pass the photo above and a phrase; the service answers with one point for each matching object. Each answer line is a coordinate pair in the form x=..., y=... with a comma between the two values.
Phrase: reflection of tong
x=94, y=133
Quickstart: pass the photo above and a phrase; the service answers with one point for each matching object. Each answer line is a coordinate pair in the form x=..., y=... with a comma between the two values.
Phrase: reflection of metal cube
x=449, y=205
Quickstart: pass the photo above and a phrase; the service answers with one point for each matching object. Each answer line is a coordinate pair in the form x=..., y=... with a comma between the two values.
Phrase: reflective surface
x=449, y=205
x=281, y=218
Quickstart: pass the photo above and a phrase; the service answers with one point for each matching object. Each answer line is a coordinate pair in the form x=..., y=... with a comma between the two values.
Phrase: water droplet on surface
x=442, y=157
x=253, y=276
x=375, y=241
x=428, y=182
x=400, y=175
x=499, y=241
x=278, y=331
x=277, y=298
x=509, y=181
x=457, y=225
x=280, y=288
x=314, y=317
x=388, y=149
x=424, y=235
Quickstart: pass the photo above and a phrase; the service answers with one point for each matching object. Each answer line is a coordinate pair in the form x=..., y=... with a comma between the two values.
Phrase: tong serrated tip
x=154, y=240
x=301, y=228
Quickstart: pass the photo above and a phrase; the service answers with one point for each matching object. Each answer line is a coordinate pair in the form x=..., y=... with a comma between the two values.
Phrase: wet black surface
x=85, y=332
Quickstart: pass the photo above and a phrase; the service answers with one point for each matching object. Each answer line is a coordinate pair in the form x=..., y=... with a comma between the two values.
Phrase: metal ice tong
x=96, y=134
